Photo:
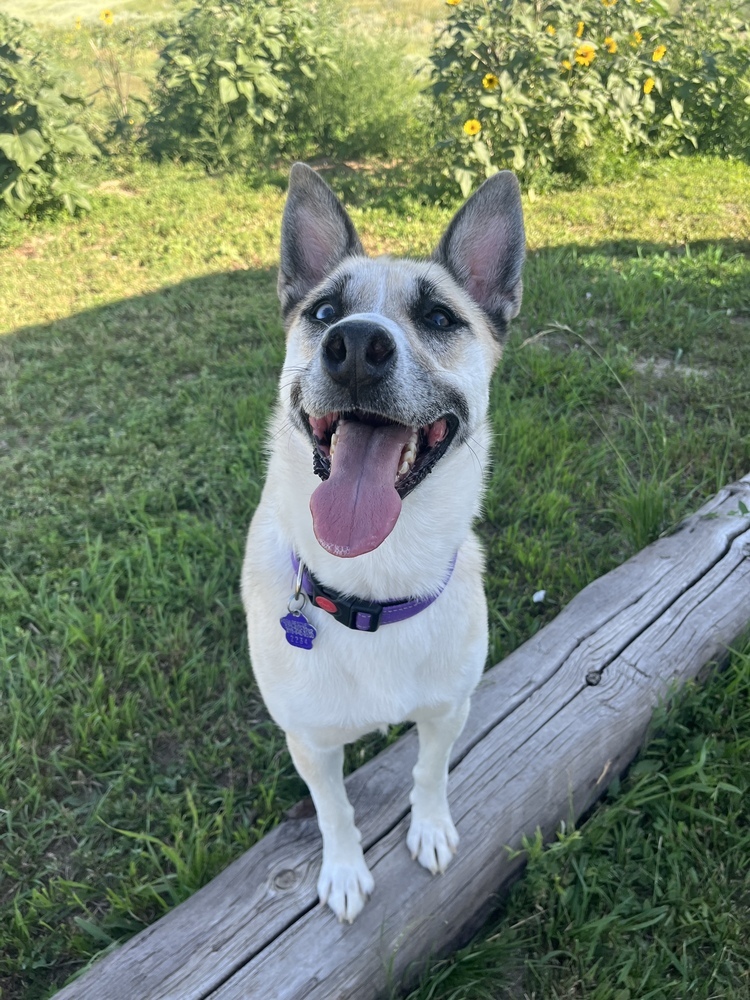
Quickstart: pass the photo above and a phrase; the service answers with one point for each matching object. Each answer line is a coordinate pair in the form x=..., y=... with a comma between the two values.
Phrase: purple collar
x=364, y=616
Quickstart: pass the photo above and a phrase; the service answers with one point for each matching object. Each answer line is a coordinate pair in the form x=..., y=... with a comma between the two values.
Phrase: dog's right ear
x=316, y=235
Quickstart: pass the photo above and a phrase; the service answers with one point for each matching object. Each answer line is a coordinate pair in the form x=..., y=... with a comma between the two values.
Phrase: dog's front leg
x=345, y=881
x=432, y=837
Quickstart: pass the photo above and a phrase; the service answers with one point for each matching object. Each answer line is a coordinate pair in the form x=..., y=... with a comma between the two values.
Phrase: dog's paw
x=432, y=841
x=345, y=886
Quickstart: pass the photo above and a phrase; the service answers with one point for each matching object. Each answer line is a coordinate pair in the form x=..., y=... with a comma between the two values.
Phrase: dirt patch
x=32, y=248
x=118, y=187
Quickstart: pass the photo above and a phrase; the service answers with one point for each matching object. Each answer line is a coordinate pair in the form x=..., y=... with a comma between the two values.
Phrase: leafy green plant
x=114, y=58
x=371, y=106
x=535, y=84
x=39, y=131
x=234, y=80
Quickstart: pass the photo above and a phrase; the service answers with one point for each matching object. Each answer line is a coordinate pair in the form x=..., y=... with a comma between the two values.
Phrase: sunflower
x=579, y=29
x=566, y=65
x=609, y=3
x=107, y=16
x=648, y=85
x=550, y=30
x=659, y=52
x=611, y=45
x=490, y=81
x=79, y=24
x=472, y=127
x=585, y=54
x=453, y=3
x=637, y=38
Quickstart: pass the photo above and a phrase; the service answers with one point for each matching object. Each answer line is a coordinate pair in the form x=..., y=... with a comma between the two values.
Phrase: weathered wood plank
x=265, y=901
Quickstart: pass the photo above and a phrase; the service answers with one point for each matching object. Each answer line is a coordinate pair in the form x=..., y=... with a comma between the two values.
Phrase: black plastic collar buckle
x=362, y=616
x=359, y=615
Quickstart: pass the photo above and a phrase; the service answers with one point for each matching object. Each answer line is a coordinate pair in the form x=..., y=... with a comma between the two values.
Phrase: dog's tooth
x=403, y=468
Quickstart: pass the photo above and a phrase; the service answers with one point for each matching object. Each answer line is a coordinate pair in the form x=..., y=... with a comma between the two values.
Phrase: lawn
x=138, y=363
x=139, y=349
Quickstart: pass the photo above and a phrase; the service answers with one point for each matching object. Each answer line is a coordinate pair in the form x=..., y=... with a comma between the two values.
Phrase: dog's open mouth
x=368, y=464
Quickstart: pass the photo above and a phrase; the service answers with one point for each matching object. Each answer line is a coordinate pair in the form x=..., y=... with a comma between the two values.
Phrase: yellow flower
x=79, y=24
x=566, y=64
x=550, y=30
x=453, y=3
x=611, y=45
x=107, y=16
x=131, y=121
x=648, y=85
x=579, y=29
x=636, y=39
x=585, y=54
x=659, y=52
x=490, y=81
x=609, y=3
x=472, y=127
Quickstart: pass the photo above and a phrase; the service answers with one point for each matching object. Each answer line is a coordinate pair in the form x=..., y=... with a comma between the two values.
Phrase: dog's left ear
x=484, y=248
x=316, y=235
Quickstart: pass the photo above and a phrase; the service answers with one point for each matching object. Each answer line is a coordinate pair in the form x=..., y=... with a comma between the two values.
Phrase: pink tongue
x=356, y=508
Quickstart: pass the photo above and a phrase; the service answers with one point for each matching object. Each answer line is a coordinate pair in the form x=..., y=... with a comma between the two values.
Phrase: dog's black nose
x=357, y=353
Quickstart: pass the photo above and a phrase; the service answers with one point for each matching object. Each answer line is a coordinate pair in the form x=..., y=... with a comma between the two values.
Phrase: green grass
x=137, y=368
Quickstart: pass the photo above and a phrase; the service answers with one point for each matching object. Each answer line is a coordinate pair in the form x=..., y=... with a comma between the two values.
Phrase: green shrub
x=533, y=84
x=39, y=131
x=370, y=105
x=234, y=80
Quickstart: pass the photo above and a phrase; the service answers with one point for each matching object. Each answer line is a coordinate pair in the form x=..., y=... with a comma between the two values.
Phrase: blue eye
x=325, y=312
x=439, y=318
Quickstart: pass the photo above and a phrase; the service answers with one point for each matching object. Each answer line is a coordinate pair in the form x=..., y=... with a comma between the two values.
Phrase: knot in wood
x=286, y=879
x=593, y=677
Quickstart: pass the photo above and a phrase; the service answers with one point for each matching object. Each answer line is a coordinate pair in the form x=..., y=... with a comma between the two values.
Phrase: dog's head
x=389, y=361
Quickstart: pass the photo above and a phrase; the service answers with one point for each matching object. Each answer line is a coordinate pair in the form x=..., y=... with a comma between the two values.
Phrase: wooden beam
x=550, y=728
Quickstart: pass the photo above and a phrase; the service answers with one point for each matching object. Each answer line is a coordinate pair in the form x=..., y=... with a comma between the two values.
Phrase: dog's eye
x=439, y=318
x=324, y=312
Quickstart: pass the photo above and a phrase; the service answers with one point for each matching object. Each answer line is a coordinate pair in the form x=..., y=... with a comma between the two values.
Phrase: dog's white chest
x=358, y=681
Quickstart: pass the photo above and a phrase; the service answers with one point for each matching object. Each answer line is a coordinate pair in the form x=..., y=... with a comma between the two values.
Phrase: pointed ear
x=316, y=234
x=484, y=248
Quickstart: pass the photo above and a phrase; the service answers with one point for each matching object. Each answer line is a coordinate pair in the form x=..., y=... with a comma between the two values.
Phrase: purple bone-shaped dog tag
x=299, y=631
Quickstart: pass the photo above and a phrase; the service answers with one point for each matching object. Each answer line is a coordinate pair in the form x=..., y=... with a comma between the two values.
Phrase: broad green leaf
x=465, y=179
x=227, y=90
x=73, y=139
x=267, y=86
x=25, y=149
x=246, y=88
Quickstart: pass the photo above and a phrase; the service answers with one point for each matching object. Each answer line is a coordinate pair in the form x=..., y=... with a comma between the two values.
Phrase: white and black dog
x=362, y=579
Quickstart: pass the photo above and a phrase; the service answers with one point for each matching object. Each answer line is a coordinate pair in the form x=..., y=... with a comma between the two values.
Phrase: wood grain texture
x=550, y=727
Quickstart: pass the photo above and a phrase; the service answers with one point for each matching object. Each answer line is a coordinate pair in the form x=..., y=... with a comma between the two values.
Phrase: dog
x=362, y=577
